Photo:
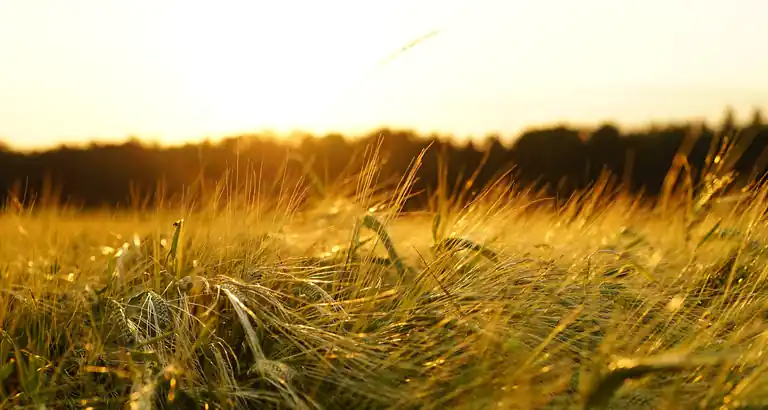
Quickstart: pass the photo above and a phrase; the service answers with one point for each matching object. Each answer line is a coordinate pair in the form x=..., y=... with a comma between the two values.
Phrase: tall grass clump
x=305, y=294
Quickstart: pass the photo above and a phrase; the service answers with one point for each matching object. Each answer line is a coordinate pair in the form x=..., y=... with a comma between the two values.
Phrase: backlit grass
x=251, y=298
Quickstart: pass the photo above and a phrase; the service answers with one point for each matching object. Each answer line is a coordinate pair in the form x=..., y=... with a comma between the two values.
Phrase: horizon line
x=360, y=132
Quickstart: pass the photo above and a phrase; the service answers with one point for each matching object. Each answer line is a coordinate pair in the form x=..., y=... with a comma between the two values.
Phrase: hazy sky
x=74, y=70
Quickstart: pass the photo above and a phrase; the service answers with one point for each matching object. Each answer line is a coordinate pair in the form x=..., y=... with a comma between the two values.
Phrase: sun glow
x=173, y=70
x=274, y=72
x=285, y=65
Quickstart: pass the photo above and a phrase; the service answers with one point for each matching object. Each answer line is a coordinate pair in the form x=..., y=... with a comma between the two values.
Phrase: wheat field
x=345, y=301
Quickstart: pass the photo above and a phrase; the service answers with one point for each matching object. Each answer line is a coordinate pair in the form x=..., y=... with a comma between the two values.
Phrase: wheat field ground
x=347, y=302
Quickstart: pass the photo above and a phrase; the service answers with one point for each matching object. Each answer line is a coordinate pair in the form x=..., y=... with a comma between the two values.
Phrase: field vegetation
x=264, y=294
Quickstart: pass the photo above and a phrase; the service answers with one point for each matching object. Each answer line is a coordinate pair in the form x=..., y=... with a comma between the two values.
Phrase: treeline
x=559, y=159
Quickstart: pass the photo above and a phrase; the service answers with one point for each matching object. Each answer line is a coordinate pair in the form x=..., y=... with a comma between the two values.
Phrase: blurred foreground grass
x=346, y=303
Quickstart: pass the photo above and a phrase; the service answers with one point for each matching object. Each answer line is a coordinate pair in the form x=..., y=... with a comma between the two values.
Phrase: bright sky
x=165, y=70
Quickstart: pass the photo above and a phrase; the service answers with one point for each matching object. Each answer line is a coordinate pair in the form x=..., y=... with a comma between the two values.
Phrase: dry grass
x=348, y=303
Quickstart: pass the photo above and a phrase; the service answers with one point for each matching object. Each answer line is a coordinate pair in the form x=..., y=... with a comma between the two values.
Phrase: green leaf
x=6, y=370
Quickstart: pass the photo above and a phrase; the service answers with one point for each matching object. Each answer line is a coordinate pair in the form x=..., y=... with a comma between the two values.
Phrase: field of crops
x=345, y=302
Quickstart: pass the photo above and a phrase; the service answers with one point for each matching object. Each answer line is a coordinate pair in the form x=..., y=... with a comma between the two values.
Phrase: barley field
x=346, y=301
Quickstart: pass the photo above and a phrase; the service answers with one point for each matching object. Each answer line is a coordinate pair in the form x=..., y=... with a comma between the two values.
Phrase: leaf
x=452, y=244
x=175, y=251
x=243, y=312
x=708, y=235
x=6, y=370
x=373, y=224
x=435, y=226
x=622, y=369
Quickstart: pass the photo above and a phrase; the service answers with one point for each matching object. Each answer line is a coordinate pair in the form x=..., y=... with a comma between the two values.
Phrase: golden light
x=182, y=70
x=280, y=65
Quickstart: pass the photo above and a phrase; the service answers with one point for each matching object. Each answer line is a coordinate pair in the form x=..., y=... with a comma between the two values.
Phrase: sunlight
x=268, y=66
x=173, y=71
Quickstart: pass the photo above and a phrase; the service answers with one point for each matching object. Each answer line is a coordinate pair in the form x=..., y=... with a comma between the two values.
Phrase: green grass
x=247, y=299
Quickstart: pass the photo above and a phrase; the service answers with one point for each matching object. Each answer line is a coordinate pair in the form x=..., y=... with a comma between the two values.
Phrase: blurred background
x=102, y=101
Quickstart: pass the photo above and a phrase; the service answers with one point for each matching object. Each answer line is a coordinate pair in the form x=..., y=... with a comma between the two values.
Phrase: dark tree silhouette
x=558, y=159
x=606, y=151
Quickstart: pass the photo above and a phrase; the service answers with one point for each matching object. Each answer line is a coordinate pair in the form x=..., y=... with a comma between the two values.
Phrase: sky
x=171, y=71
